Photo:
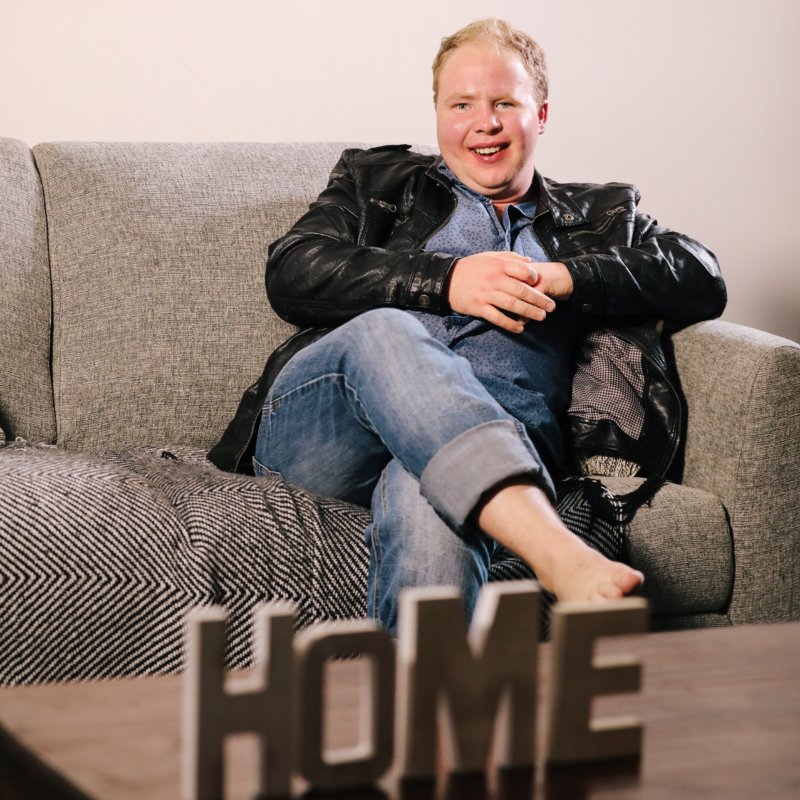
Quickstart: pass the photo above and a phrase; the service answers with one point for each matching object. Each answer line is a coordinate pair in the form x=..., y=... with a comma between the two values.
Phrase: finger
x=527, y=294
x=506, y=302
x=523, y=271
x=496, y=317
x=519, y=308
x=508, y=259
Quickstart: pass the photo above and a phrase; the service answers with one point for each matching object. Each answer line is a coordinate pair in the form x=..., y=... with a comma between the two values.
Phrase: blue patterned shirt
x=529, y=373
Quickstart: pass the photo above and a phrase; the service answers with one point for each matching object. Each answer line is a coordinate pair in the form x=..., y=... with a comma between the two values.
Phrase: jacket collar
x=554, y=199
x=549, y=196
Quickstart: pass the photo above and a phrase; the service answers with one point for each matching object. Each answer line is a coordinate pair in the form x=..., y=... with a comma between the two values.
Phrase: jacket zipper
x=610, y=214
x=391, y=207
x=438, y=227
x=545, y=246
x=447, y=217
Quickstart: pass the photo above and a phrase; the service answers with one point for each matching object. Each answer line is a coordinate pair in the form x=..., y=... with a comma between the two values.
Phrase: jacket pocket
x=600, y=227
x=262, y=471
x=377, y=220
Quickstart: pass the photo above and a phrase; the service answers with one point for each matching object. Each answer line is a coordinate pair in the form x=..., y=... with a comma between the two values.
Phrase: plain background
x=695, y=101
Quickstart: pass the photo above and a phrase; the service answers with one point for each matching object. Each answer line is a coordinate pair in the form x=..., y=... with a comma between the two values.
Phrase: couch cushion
x=26, y=392
x=682, y=543
x=157, y=255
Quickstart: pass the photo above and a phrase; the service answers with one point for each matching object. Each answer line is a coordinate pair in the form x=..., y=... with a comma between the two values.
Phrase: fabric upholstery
x=682, y=543
x=684, y=622
x=742, y=433
x=26, y=394
x=157, y=256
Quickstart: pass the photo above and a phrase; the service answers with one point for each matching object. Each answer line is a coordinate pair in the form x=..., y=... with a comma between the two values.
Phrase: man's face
x=487, y=121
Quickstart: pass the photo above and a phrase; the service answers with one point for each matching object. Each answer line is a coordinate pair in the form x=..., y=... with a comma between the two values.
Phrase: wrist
x=447, y=285
x=587, y=288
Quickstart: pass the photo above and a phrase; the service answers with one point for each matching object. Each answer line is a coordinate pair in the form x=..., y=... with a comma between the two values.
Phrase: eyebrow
x=460, y=96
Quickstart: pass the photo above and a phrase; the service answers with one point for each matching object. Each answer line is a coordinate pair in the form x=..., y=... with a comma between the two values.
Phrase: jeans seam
x=275, y=400
x=376, y=547
x=525, y=439
x=272, y=404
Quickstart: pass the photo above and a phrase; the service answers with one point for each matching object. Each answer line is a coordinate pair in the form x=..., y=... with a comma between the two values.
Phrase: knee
x=385, y=325
x=381, y=341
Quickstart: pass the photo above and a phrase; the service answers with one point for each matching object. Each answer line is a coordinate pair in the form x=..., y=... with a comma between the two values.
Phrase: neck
x=500, y=206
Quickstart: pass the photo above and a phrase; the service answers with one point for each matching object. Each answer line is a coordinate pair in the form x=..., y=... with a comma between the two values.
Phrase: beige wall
x=693, y=100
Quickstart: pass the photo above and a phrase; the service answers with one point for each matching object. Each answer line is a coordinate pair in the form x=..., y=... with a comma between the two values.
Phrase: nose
x=487, y=120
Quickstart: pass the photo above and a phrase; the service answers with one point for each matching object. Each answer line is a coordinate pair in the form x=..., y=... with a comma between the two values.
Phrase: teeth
x=487, y=151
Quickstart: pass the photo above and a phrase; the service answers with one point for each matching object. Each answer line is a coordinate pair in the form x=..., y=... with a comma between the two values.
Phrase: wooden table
x=721, y=710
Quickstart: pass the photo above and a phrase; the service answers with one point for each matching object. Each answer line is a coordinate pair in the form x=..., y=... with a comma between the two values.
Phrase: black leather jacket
x=359, y=246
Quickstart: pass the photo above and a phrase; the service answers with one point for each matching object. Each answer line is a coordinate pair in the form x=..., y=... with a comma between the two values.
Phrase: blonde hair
x=500, y=33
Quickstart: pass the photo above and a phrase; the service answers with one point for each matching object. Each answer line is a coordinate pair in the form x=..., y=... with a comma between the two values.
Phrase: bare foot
x=521, y=517
x=575, y=571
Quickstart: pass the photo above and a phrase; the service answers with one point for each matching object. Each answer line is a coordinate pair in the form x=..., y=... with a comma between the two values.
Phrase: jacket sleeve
x=324, y=270
x=663, y=274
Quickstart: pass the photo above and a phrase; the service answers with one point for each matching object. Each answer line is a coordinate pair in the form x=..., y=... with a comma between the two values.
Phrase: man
x=457, y=289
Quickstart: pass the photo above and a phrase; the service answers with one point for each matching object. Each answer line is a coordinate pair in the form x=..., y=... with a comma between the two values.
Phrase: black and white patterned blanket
x=103, y=554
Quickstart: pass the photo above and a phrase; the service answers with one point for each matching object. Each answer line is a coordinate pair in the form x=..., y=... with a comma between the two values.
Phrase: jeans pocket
x=264, y=472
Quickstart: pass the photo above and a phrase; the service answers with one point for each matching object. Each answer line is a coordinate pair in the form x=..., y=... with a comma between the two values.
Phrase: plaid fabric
x=105, y=553
x=609, y=383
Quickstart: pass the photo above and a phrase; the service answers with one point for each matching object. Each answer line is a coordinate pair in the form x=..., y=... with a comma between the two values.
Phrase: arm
x=321, y=274
x=324, y=271
x=662, y=274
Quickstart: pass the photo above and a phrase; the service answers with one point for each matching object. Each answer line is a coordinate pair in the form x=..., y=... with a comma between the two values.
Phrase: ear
x=542, y=117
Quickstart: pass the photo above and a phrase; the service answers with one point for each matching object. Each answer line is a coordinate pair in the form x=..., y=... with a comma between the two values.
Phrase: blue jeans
x=378, y=412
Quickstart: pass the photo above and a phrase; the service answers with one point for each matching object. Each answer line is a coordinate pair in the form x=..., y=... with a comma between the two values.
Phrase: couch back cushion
x=157, y=254
x=26, y=392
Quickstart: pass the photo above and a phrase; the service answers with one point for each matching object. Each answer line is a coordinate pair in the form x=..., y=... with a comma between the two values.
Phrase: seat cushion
x=103, y=554
x=682, y=543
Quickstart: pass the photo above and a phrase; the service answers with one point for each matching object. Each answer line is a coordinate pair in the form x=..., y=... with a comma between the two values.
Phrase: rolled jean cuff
x=479, y=459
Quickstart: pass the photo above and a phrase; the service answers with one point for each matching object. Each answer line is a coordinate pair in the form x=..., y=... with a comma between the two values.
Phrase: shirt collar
x=526, y=208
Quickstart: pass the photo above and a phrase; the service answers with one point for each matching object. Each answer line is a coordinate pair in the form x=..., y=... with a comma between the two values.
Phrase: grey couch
x=133, y=314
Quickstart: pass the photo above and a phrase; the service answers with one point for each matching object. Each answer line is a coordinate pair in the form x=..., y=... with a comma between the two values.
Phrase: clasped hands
x=507, y=289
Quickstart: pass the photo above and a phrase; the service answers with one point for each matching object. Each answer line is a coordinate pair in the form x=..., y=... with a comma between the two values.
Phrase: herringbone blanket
x=103, y=554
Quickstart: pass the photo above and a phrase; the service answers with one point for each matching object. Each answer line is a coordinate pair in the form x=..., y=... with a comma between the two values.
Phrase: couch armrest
x=742, y=432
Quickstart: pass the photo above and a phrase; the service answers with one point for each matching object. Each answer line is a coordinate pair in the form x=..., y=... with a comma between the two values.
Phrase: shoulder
x=390, y=156
x=589, y=198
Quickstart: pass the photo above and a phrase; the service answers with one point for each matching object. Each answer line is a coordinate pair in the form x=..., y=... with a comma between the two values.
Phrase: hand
x=488, y=284
x=554, y=280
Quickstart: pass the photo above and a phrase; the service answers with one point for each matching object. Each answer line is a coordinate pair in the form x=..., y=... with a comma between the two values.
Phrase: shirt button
x=569, y=217
x=424, y=301
x=586, y=307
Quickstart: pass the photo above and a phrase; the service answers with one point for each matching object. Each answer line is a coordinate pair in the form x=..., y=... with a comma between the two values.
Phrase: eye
x=504, y=104
x=460, y=106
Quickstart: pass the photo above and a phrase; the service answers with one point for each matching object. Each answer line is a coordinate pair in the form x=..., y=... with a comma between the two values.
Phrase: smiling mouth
x=488, y=151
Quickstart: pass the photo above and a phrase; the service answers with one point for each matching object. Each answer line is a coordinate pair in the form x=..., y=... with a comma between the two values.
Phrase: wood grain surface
x=720, y=709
